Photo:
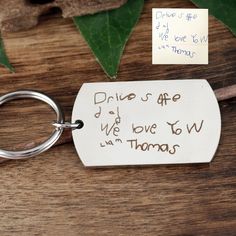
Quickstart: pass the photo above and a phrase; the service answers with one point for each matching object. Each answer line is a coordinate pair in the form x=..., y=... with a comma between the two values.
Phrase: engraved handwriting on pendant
x=146, y=128
x=110, y=129
x=162, y=98
x=101, y=97
x=146, y=122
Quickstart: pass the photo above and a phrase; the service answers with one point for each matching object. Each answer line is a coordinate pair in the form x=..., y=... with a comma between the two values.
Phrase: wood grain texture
x=53, y=194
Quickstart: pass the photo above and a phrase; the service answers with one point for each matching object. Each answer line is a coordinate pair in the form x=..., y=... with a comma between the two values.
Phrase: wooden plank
x=54, y=194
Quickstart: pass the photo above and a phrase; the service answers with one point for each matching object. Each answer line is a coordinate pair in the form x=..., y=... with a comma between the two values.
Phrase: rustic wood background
x=53, y=194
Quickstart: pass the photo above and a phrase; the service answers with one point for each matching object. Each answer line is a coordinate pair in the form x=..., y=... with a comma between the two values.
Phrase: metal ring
x=16, y=155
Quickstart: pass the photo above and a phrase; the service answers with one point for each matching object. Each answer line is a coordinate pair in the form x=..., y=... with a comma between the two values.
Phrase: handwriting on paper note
x=146, y=122
x=179, y=36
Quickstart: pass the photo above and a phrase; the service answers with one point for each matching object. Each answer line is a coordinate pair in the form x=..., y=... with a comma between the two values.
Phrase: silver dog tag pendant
x=146, y=122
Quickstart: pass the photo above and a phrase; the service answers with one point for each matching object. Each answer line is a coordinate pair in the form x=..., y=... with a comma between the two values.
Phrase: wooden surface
x=53, y=194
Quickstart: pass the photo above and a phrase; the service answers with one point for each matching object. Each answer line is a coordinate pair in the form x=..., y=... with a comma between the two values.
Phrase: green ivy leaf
x=224, y=10
x=3, y=57
x=107, y=33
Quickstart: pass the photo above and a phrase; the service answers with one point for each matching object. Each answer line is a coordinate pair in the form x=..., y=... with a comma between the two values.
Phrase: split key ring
x=59, y=125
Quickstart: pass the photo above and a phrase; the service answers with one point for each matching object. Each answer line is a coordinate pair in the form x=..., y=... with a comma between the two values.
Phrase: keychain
x=135, y=123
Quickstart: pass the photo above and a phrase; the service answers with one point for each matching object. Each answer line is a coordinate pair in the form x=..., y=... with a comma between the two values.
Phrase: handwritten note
x=179, y=36
x=146, y=122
